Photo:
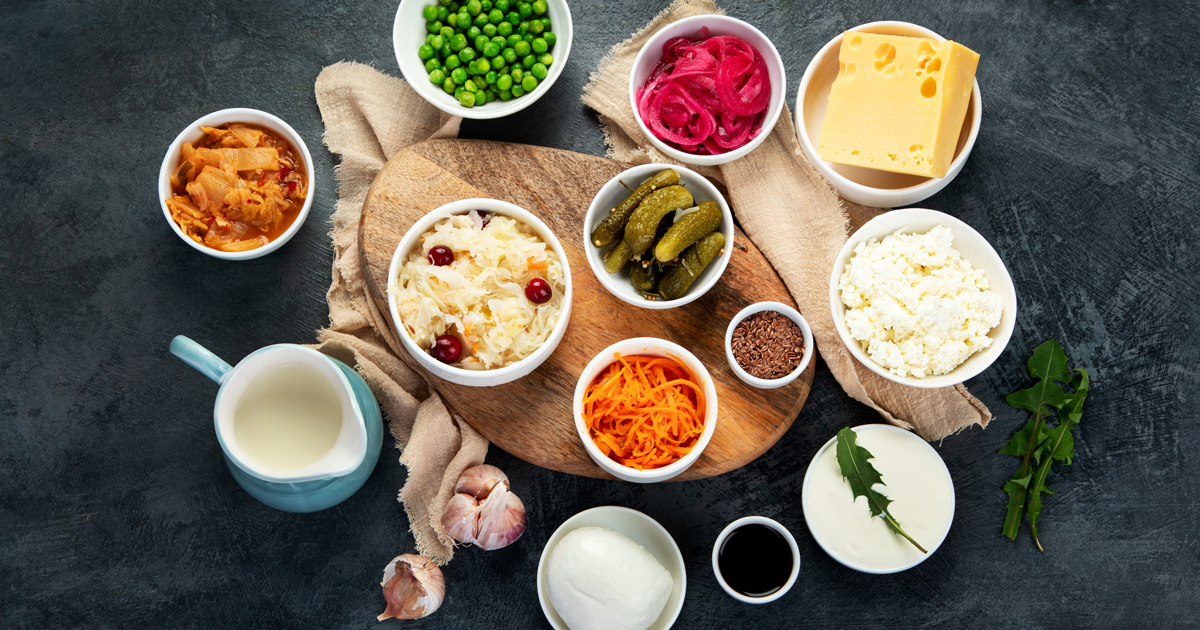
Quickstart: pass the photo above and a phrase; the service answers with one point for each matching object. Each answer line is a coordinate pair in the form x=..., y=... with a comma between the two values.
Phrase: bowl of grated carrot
x=645, y=409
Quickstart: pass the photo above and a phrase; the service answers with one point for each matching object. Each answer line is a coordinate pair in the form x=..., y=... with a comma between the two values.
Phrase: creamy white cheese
x=916, y=305
x=599, y=579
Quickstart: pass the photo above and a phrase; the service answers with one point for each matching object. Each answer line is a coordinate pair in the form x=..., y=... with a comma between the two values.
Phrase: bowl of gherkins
x=658, y=236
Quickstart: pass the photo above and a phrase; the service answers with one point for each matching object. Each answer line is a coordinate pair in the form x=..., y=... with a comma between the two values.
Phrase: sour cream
x=917, y=482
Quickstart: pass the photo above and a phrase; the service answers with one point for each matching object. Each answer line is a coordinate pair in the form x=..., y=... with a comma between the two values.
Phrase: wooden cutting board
x=531, y=417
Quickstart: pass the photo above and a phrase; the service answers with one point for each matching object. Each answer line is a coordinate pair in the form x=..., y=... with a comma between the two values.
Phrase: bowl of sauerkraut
x=480, y=292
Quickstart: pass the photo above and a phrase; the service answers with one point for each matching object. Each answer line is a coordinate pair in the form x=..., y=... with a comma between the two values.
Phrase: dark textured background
x=116, y=510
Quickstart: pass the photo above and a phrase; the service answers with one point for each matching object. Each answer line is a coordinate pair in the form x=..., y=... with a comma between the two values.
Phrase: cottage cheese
x=917, y=307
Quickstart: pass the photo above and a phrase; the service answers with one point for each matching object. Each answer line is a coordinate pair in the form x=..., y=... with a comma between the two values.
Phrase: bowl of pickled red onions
x=707, y=89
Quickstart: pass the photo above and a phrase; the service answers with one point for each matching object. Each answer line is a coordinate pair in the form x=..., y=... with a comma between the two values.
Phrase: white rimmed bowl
x=756, y=520
x=973, y=247
x=790, y=313
x=867, y=186
x=653, y=347
x=651, y=54
x=640, y=528
x=613, y=193
x=192, y=133
x=408, y=33
x=497, y=376
x=841, y=558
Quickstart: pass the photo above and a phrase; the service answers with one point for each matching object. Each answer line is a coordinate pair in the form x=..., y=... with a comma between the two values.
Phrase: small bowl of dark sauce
x=756, y=560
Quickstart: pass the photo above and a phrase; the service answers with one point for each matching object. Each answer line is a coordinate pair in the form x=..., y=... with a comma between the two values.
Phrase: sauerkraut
x=480, y=296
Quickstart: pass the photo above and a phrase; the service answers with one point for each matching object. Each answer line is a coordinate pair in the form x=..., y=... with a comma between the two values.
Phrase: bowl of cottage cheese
x=922, y=299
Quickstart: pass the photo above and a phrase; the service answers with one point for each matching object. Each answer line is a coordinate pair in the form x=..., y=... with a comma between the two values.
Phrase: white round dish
x=807, y=491
x=613, y=193
x=497, y=376
x=792, y=314
x=192, y=133
x=973, y=248
x=644, y=531
x=654, y=347
x=651, y=54
x=408, y=33
x=756, y=520
x=866, y=186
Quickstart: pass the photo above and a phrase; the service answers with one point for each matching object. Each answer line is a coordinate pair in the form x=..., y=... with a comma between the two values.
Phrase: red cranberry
x=440, y=255
x=446, y=348
x=538, y=291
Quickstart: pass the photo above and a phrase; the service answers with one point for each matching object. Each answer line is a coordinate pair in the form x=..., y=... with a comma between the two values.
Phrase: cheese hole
x=913, y=148
x=841, y=70
x=854, y=152
x=934, y=66
x=855, y=42
x=886, y=52
x=929, y=88
x=891, y=70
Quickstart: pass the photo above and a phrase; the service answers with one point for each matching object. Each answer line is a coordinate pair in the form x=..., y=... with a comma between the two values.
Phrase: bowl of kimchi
x=236, y=184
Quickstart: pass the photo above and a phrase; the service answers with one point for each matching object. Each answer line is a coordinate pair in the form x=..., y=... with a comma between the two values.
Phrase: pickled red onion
x=707, y=96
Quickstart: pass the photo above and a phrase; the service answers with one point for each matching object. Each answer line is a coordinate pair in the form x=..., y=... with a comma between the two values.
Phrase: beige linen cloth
x=784, y=206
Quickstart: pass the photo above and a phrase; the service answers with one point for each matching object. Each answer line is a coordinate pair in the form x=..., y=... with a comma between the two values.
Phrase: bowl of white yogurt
x=915, y=479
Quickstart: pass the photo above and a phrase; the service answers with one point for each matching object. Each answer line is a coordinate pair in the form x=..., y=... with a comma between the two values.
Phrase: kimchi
x=238, y=188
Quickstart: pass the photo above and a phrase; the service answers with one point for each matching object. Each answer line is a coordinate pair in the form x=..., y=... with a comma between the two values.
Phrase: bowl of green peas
x=482, y=58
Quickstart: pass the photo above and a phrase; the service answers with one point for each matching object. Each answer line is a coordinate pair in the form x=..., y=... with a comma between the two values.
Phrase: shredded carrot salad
x=644, y=411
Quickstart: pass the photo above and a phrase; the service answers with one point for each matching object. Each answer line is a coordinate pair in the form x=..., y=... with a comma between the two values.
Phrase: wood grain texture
x=532, y=418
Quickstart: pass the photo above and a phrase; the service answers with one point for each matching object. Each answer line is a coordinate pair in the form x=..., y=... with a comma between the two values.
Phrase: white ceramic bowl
x=771, y=383
x=651, y=54
x=973, y=247
x=192, y=133
x=867, y=186
x=756, y=520
x=408, y=34
x=613, y=193
x=497, y=376
x=640, y=528
x=654, y=347
x=841, y=558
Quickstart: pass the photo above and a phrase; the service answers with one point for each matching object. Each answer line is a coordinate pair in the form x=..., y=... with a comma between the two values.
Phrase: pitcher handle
x=200, y=358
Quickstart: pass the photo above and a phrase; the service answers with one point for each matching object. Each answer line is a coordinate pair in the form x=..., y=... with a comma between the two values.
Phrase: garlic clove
x=478, y=481
x=461, y=518
x=501, y=519
x=413, y=587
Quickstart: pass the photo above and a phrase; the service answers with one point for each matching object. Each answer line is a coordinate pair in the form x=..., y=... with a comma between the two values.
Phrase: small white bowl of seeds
x=768, y=344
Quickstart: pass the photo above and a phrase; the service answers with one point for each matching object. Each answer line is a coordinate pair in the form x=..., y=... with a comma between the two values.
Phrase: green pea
x=538, y=70
x=445, y=3
x=527, y=61
x=503, y=5
x=539, y=7
x=437, y=77
x=487, y=5
x=529, y=82
x=528, y=37
x=458, y=42
x=496, y=16
x=489, y=29
x=512, y=40
x=467, y=54
x=446, y=32
x=437, y=42
x=452, y=19
x=428, y=37
x=504, y=28
x=474, y=7
x=425, y=51
x=491, y=77
x=513, y=18
x=481, y=19
x=453, y=61
x=550, y=38
x=509, y=55
x=491, y=50
x=523, y=28
x=536, y=27
x=459, y=76
x=546, y=23
x=522, y=48
x=483, y=66
x=525, y=9
x=539, y=45
x=430, y=12
x=452, y=5
x=470, y=86
x=480, y=42
x=445, y=50
x=504, y=82
x=497, y=63
x=518, y=91
x=443, y=13
x=433, y=26
x=505, y=95
x=473, y=32
x=517, y=74
x=448, y=85
x=546, y=59
x=432, y=65
x=464, y=18
x=458, y=91
x=489, y=96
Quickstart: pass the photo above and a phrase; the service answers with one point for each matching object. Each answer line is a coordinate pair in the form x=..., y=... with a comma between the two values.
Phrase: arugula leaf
x=862, y=476
x=1037, y=444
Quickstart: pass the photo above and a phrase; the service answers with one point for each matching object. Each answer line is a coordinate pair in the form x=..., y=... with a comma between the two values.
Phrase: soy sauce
x=755, y=560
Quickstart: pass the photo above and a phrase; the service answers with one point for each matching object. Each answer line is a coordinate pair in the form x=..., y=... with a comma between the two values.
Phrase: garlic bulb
x=413, y=587
x=484, y=511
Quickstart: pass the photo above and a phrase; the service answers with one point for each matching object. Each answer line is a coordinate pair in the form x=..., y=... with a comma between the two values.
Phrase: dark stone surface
x=117, y=512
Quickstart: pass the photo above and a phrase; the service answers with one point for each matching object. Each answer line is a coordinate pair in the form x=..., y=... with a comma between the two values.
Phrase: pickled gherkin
x=687, y=230
x=644, y=277
x=616, y=257
x=613, y=226
x=643, y=223
x=692, y=262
